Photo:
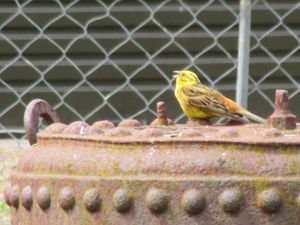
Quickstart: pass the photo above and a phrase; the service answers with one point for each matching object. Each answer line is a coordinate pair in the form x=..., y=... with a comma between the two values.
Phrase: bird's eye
x=183, y=74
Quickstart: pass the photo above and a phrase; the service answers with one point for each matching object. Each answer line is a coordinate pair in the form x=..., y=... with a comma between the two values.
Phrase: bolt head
x=130, y=123
x=55, y=128
x=43, y=198
x=157, y=200
x=66, y=199
x=26, y=197
x=193, y=201
x=77, y=127
x=231, y=200
x=14, y=196
x=283, y=122
x=103, y=124
x=122, y=200
x=91, y=200
x=270, y=201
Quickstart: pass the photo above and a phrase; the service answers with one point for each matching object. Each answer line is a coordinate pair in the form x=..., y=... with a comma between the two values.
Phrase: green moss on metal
x=261, y=184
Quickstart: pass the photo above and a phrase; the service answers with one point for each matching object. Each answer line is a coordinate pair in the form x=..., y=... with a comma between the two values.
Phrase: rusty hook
x=35, y=109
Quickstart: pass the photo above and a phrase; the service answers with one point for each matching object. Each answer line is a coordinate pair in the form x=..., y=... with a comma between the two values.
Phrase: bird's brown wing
x=205, y=99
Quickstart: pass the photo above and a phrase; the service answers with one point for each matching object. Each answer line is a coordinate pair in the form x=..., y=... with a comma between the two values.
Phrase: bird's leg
x=196, y=122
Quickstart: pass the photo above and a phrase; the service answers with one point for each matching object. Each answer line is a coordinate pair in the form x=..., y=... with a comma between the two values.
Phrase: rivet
x=55, y=128
x=14, y=196
x=130, y=123
x=269, y=201
x=26, y=197
x=231, y=200
x=122, y=200
x=6, y=194
x=103, y=124
x=229, y=133
x=43, y=198
x=91, y=200
x=272, y=132
x=191, y=133
x=118, y=132
x=66, y=199
x=157, y=200
x=77, y=127
x=193, y=201
x=151, y=132
x=94, y=130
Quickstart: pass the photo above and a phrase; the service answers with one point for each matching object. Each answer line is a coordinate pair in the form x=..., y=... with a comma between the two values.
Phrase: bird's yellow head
x=185, y=78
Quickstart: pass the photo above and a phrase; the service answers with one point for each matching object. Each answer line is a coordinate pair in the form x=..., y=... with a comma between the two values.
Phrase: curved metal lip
x=277, y=141
x=235, y=177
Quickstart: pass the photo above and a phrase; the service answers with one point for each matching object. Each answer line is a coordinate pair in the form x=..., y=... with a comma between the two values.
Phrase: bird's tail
x=252, y=116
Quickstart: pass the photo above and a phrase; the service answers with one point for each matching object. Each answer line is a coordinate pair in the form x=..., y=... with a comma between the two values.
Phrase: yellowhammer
x=199, y=101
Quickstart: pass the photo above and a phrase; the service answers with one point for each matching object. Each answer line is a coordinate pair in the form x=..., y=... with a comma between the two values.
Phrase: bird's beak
x=176, y=74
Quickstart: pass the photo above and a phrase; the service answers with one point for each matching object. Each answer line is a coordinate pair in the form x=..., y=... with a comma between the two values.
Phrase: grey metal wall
x=114, y=59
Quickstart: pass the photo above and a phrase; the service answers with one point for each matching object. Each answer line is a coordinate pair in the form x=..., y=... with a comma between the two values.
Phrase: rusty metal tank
x=163, y=173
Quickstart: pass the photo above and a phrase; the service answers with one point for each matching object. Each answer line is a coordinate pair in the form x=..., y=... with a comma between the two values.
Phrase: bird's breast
x=189, y=110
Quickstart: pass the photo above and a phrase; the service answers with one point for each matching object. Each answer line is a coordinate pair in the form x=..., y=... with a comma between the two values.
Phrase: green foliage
x=4, y=209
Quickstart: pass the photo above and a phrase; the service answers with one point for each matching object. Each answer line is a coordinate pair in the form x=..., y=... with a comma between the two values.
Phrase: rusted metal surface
x=282, y=118
x=35, y=109
x=135, y=174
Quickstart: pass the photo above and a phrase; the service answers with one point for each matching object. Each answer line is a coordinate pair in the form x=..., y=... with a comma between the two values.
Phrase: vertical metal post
x=243, y=53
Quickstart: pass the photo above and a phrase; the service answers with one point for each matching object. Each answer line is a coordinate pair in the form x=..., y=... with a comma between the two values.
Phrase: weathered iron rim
x=290, y=141
x=159, y=178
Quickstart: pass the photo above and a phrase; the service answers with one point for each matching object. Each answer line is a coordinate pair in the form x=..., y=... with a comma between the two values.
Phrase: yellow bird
x=200, y=101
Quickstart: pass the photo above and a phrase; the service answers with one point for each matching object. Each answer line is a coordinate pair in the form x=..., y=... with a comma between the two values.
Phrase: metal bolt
x=122, y=200
x=26, y=197
x=162, y=119
x=157, y=200
x=231, y=200
x=66, y=199
x=193, y=201
x=269, y=201
x=43, y=198
x=282, y=117
x=91, y=200
x=161, y=114
x=14, y=196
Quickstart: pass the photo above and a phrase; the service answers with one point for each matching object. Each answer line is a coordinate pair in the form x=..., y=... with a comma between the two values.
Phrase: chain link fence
x=274, y=53
x=112, y=60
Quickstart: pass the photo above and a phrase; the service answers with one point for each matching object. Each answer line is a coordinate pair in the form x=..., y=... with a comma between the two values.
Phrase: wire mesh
x=274, y=53
x=114, y=59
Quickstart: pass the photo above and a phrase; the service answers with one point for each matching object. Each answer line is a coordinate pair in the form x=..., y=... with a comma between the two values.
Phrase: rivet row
x=193, y=201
